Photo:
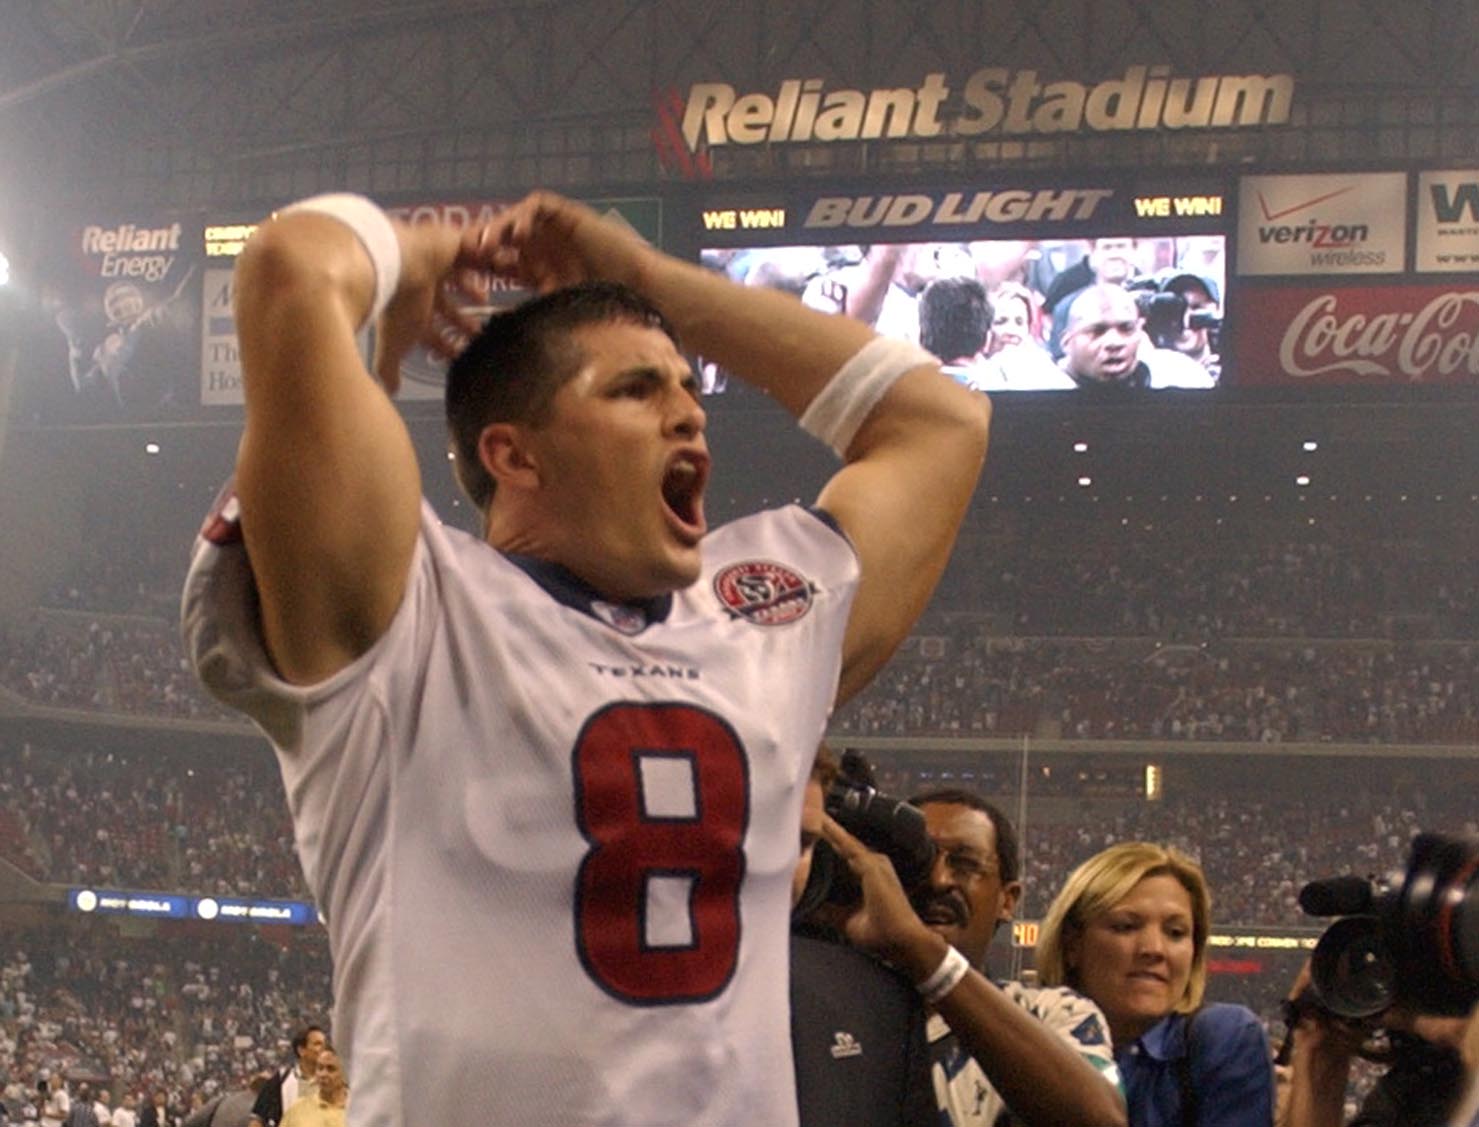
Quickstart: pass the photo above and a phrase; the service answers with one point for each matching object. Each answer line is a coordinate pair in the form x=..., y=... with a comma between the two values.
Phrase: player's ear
x=505, y=452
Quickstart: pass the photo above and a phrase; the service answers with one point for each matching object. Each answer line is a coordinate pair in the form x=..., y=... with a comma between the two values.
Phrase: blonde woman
x=1129, y=930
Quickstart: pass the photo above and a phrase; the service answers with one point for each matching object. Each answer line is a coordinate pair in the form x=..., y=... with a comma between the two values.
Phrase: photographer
x=1200, y=319
x=1421, y=1088
x=1016, y=1067
x=857, y=1026
x=1395, y=980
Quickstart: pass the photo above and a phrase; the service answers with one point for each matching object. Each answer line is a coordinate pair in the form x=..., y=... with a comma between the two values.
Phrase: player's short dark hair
x=954, y=317
x=300, y=1038
x=521, y=358
x=1008, y=852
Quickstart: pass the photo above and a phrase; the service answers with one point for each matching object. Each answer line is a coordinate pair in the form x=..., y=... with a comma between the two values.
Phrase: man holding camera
x=1422, y=1085
x=857, y=1026
x=1001, y=1054
x=1393, y=980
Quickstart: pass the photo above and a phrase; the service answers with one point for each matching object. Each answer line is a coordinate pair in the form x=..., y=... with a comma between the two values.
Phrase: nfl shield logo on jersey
x=762, y=592
x=626, y=620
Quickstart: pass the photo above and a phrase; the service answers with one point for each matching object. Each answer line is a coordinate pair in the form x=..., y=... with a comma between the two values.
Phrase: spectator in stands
x=126, y=1113
x=1130, y=930
x=57, y=1101
x=158, y=1113
x=293, y=1082
x=325, y=1105
x=83, y=1112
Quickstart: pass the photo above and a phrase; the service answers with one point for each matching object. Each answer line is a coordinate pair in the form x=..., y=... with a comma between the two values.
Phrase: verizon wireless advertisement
x=1380, y=335
x=1347, y=223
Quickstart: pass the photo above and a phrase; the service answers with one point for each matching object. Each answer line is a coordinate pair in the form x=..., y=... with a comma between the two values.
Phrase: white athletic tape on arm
x=841, y=407
x=373, y=229
x=953, y=967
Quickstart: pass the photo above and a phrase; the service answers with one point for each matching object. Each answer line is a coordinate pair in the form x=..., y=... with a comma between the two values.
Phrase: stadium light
x=1086, y=481
x=151, y=448
x=1080, y=447
x=1310, y=446
x=1302, y=479
x=4, y=270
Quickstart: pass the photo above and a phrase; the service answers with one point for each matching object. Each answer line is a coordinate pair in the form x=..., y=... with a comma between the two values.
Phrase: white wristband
x=373, y=229
x=842, y=406
x=953, y=967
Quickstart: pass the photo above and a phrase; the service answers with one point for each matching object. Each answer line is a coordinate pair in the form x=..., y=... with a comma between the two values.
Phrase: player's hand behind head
x=442, y=269
x=547, y=242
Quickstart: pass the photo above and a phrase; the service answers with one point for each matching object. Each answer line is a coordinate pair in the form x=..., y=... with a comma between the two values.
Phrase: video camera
x=1164, y=308
x=888, y=825
x=1412, y=938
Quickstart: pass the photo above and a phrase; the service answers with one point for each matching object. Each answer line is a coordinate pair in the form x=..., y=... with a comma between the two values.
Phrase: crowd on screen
x=1020, y=315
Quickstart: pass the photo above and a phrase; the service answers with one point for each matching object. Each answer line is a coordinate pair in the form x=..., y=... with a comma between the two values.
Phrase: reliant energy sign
x=992, y=101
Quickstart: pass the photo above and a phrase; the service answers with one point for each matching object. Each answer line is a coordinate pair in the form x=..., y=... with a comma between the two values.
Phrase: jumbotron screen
x=1077, y=287
x=1081, y=315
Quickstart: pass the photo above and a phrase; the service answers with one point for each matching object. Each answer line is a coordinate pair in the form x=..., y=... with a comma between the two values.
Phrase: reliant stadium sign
x=993, y=101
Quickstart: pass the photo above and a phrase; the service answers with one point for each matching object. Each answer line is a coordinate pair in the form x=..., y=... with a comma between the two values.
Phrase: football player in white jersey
x=545, y=783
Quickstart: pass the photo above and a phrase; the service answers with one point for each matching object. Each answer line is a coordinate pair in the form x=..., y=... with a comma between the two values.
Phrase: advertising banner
x=1448, y=222
x=1347, y=223
x=122, y=305
x=1379, y=335
x=1071, y=208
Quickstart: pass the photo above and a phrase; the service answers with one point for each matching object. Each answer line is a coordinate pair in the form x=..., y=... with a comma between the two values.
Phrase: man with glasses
x=1002, y=1053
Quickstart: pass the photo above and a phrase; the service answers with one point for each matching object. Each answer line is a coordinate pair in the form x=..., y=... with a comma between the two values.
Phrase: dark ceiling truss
x=237, y=100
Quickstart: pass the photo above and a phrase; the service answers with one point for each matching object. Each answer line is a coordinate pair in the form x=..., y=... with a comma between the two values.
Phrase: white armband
x=842, y=406
x=373, y=229
x=946, y=977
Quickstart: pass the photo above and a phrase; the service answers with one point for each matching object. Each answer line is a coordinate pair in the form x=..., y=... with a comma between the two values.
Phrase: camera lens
x=1353, y=971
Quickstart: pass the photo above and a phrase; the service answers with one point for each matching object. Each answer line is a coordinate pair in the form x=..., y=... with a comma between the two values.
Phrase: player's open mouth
x=683, y=492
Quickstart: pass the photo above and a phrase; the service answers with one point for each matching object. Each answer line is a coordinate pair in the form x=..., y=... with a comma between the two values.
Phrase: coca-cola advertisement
x=1380, y=335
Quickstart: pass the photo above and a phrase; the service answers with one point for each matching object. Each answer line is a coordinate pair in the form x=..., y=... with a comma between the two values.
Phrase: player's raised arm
x=326, y=475
x=912, y=439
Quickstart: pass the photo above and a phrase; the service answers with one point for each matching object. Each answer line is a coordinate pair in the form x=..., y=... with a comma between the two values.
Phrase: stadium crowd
x=1152, y=644
x=178, y=1012
x=148, y=822
x=170, y=822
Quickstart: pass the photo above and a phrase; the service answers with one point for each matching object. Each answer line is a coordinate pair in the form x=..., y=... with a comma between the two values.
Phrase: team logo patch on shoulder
x=764, y=593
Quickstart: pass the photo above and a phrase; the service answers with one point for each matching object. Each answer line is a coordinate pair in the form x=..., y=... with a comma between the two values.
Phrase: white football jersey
x=553, y=838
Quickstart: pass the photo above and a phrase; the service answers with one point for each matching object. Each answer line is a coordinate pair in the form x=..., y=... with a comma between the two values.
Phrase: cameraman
x=857, y=1026
x=1017, y=1067
x=1200, y=320
x=1421, y=1088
